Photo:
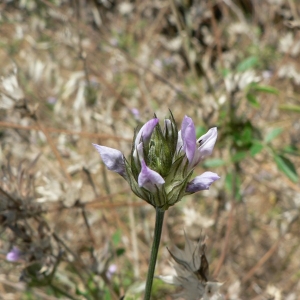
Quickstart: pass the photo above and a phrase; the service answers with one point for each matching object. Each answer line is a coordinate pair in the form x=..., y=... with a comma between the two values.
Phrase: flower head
x=162, y=161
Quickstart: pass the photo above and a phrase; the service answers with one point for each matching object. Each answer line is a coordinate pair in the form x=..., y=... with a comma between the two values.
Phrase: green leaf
x=238, y=156
x=120, y=251
x=214, y=162
x=265, y=89
x=286, y=167
x=246, y=135
x=116, y=237
x=292, y=150
x=273, y=134
x=225, y=72
x=247, y=63
x=291, y=108
x=107, y=295
x=252, y=100
x=256, y=148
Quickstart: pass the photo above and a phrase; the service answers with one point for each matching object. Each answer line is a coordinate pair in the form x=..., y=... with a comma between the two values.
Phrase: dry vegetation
x=82, y=72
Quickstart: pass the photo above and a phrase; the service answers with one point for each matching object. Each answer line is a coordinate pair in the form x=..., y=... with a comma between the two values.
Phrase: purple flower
x=135, y=113
x=202, y=182
x=14, y=254
x=145, y=132
x=112, y=158
x=149, y=179
x=187, y=142
x=162, y=160
x=51, y=100
x=112, y=269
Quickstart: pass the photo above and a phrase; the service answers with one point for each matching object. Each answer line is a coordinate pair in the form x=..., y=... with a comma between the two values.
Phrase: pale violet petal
x=149, y=179
x=188, y=134
x=179, y=146
x=202, y=182
x=207, y=142
x=112, y=158
x=146, y=131
x=205, y=145
x=138, y=153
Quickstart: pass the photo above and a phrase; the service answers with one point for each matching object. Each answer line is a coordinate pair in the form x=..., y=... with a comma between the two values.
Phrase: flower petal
x=206, y=145
x=179, y=142
x=149, y=179
x=112, y=158
x=202, y=182
x=207, y=142
x=138, y=153
x=188, y=134
x=146, y=131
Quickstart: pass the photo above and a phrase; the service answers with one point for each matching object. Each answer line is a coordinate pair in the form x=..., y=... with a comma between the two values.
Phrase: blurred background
x=79, y=72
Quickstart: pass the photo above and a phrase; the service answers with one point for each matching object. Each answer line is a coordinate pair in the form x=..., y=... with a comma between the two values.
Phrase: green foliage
x=116, y=237
x=264, y=88
x=256, y=148
x=248, y=63
x=252, y=100
x=286, y=166
x=273, y=134
x=290, y=108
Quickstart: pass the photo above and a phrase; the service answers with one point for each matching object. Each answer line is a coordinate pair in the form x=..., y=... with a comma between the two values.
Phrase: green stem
x=159, y=220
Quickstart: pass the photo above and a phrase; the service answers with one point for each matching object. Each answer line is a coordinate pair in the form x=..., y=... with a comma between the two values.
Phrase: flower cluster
x=162, y=161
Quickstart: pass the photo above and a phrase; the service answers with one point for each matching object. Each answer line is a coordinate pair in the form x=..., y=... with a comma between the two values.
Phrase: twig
x=86, y=221
x=262, y=261
x=226, y=242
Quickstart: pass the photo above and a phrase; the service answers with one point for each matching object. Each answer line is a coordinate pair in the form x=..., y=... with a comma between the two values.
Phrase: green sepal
x=173, y=138
x=178, y=171
x=159, y=156
x=178, y=190
x=157, y=199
